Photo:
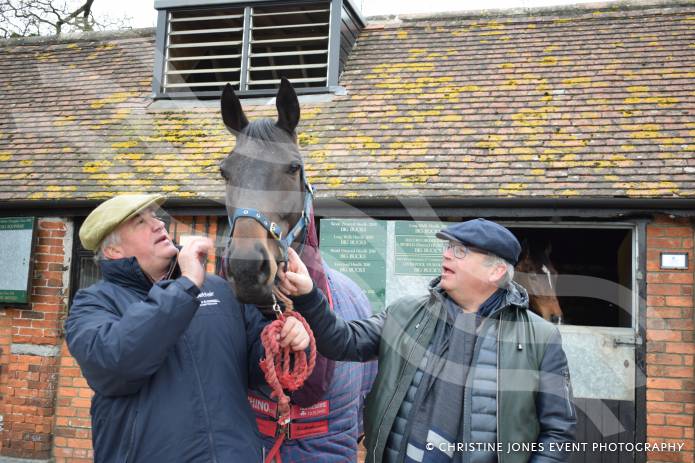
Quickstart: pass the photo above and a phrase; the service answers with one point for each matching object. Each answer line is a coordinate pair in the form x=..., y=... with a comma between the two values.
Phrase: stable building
x=572, y=126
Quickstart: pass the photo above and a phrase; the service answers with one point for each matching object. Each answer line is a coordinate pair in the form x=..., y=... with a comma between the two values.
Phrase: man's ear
x=497, y=273
x=113, y=252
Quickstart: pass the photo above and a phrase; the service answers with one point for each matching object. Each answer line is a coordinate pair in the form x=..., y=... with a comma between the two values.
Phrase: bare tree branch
x=21, y=18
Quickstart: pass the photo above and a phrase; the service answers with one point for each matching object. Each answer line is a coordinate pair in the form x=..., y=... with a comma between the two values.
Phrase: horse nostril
x=264, y=267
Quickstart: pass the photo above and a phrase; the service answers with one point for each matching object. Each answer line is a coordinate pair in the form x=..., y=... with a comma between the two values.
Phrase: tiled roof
x=573, y=103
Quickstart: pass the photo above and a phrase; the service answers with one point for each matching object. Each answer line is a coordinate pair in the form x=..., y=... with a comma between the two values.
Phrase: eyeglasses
x=460, y=250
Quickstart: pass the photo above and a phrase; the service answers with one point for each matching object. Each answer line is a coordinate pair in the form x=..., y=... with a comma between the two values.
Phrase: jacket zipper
x=567, y=392
x=211, y=439
x=410, y=354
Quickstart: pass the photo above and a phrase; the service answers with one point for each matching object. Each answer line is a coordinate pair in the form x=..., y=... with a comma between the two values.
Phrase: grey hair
x=492, y=260
x=111, y=239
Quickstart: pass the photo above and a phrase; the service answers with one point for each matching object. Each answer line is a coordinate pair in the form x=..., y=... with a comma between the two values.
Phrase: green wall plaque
x=356, y=248
x=16, y=240
x=388, y=259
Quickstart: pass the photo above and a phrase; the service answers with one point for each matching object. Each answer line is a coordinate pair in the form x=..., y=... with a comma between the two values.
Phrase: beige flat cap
x=111, y=213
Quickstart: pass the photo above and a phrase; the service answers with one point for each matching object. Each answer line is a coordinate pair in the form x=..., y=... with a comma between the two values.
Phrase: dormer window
x=202, y=47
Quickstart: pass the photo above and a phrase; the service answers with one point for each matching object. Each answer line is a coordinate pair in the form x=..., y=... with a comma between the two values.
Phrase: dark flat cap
x=486, y=235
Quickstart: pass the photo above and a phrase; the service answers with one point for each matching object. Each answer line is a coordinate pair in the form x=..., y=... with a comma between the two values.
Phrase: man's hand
x=295, y=281
x=294, y=334
x=191, y=258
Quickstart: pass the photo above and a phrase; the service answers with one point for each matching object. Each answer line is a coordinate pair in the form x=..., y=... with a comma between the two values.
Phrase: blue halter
x=284, y=242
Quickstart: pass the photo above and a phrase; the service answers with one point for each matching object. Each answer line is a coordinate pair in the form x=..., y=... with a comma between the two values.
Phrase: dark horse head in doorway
x=267, y=195
x=538, y=275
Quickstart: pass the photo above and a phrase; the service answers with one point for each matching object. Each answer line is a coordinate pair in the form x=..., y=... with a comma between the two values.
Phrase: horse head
x=266, y=193
x=538, y=275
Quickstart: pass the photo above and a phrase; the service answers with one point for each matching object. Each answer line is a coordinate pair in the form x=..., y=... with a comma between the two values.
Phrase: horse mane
x=260, y=129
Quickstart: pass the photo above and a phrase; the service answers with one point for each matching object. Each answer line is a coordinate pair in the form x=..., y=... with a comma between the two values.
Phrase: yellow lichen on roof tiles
x=310, y=113
x=671, y=141
x=129, y=156
x=96, y=166
x=532, y=117
x=398, y=67
x=5, y=157
x=521, y=150
x=402, y=35
x=424, y=113
x=317, y=156
x=549, y=61
x=492, y=141
x=118, y=97
x=357, y=142
x=638, y=89
x=307, y=139
x=334, y=182
x=418, y=144
x=73, y=46
x=451, y=118
x=359, y=179
x=510, y=189
x=576, y=80
x=492, y=24
x=660, y=101
x=409, y=174
x=125, y=144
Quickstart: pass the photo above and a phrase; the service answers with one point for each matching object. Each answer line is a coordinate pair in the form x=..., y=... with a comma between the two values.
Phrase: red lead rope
x=284, y=373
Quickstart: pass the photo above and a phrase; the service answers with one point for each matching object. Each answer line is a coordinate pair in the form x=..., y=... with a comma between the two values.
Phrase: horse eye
x=294, y=167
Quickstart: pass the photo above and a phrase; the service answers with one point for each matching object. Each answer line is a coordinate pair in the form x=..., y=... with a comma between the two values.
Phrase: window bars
x=249, y=47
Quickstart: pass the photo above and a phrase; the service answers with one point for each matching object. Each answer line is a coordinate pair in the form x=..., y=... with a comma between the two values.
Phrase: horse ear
x=525, y=249
x=288, y=106
x=232, y=112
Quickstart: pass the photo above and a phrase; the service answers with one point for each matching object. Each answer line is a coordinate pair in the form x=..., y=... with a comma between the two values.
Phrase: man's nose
x=156, y=223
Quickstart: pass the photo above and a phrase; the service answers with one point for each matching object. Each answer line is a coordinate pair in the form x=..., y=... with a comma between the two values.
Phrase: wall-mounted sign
x=16, y=239
x=388, y=259
x=674, y=260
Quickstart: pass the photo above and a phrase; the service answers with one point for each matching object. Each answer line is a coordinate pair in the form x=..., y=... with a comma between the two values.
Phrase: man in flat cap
x=467, y=373
x=167, y=349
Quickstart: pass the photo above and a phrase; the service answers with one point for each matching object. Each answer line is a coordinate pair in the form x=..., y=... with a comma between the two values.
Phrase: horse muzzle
x=251, y=272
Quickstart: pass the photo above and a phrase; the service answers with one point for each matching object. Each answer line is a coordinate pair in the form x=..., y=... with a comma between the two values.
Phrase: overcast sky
x=143, y=14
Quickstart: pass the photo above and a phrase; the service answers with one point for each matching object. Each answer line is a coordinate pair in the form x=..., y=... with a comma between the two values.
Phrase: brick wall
x=670, y=341
x=40, y=422
x=30, y=338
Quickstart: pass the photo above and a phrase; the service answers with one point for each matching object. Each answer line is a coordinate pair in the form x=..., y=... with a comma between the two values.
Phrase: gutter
x=416, y=208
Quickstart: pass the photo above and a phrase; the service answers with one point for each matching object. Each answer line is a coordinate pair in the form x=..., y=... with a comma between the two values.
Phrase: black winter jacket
x=170, y=366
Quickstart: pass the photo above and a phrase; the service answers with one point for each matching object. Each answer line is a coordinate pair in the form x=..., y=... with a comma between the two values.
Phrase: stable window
x=251, y=46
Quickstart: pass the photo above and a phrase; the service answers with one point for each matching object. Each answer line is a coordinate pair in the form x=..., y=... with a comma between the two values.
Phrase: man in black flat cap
x=467, y=373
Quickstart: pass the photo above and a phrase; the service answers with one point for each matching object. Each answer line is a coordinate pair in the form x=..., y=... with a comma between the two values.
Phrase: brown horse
x=538, y=275
x=267, y=194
